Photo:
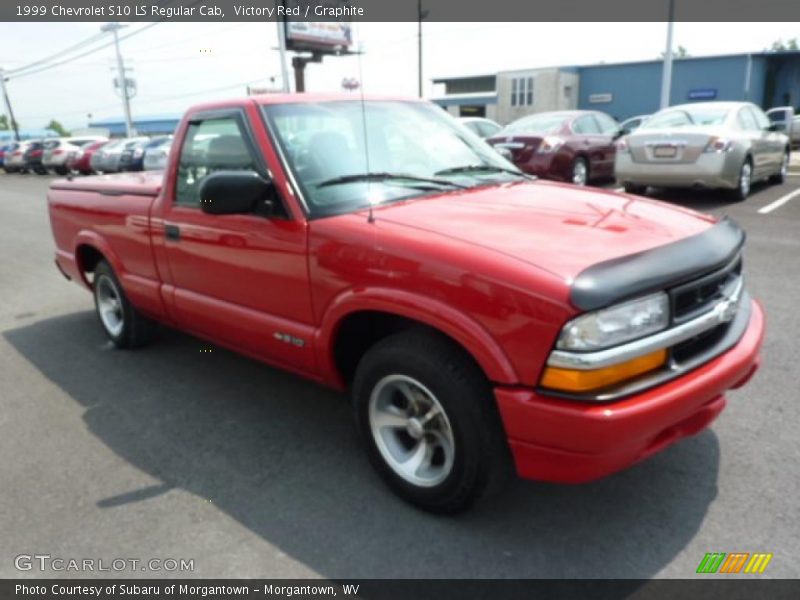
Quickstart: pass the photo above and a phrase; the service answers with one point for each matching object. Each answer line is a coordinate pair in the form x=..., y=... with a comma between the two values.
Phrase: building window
x=521, y=91
x=568, y=93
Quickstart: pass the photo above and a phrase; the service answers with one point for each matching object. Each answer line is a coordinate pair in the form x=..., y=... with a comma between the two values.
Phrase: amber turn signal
x=574, y=380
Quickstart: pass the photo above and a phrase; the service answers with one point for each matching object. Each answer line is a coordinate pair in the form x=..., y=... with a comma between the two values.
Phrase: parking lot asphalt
x=169, y=452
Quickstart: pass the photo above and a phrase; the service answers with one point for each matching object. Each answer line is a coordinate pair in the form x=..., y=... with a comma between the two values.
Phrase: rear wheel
x=123, y=324
x=427, y=416
x=742, y=190
x=580, y=171
x=61, y=170
x=780, y=176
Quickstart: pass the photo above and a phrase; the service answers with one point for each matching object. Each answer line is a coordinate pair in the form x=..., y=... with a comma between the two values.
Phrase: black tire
x=134, y=330
x=580, y=165
x=481, y=460
x=780, y=177
x=742, y=191
x=61, y=170
x=637, y=190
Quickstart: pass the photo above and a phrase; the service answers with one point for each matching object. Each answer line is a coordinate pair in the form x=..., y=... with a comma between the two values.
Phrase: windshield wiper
x=383, y=176
x=490, y=168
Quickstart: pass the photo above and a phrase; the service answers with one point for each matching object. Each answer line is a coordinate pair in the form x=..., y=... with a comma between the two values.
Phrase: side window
x=210, y=145
x=746, y=120
x=586, y=125
x=762, y=122
x=608, y=125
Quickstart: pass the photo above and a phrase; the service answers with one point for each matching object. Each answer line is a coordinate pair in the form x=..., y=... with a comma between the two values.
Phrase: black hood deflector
x=659, y=268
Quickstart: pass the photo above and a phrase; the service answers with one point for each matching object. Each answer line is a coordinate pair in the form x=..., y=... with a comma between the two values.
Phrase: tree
x=681, y=52
x=58, y=128
x=787, y=46
x=4, y=126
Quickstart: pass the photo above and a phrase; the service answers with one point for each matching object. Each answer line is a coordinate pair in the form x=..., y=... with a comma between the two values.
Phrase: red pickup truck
x=480, y=319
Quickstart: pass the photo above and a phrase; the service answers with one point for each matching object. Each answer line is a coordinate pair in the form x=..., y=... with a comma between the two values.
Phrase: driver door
x=238, y=279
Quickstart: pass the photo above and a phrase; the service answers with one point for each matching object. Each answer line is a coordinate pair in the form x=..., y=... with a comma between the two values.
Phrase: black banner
x=397, y=10
x=730, y=588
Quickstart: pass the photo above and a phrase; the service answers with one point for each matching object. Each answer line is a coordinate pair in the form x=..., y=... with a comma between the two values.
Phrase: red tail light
x=58, y=152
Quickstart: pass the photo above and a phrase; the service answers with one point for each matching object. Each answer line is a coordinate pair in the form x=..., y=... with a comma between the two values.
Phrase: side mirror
x=619, y=133
x=775, y=127
x=236, y=192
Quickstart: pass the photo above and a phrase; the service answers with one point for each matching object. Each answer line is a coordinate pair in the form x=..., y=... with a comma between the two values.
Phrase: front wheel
x=123, y=324
x=427, y=417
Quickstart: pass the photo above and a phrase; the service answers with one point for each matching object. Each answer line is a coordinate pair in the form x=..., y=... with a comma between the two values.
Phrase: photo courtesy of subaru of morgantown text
x=308, y=301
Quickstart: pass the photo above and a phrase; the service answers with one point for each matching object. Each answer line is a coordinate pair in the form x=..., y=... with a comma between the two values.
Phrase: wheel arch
x=369, y=316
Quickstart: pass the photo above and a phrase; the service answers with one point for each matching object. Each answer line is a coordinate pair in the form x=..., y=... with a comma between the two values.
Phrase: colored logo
x=735, y=562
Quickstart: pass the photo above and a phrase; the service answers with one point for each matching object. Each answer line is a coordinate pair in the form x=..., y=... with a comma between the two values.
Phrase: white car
x=14, y=161
x=57, y=151
x=483, y=128
x=155, y=157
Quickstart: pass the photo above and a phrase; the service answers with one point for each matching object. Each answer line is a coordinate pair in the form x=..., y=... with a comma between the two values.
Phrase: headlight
x=616, y=325
x=550, y=144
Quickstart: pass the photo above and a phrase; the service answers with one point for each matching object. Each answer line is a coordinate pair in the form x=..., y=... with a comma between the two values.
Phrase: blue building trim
x=767, y=79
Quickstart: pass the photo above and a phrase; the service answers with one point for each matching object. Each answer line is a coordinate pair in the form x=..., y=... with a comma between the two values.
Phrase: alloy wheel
x=109, y=304
x=411, y=430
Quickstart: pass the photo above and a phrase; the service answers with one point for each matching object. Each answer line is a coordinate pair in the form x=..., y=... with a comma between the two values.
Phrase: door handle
x=172, y=232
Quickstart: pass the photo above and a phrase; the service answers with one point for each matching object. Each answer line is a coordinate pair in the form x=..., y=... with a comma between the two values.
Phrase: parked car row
x=719, y=145
x=85, y=155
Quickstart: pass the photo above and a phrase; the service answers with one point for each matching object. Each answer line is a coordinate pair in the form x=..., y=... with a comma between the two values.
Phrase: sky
x=179, y=64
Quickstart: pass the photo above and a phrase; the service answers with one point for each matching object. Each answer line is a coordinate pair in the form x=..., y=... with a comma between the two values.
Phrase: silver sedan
x=726, y=145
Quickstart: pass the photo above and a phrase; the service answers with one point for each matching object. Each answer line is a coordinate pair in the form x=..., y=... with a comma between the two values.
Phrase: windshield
x=537, y=124
x=410, y=149
x=683, y=117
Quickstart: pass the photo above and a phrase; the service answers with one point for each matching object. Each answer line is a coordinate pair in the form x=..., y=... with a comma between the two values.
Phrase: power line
x=87, y=53
x=47, y=59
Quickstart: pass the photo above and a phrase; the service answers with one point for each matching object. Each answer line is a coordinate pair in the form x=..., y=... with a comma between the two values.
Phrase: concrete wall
x=548, y=93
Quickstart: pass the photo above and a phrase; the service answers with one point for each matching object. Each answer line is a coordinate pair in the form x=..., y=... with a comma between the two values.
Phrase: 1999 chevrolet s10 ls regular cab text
x=479, y=318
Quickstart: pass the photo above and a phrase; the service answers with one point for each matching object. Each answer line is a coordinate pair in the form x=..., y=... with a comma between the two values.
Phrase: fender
x=465, y=330
x=144, y=293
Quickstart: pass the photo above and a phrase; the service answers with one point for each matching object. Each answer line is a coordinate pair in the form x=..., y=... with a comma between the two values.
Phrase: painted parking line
x=778, y=203
x=619, y=189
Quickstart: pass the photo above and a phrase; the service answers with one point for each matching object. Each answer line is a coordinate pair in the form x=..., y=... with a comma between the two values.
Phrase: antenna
x=371, y=216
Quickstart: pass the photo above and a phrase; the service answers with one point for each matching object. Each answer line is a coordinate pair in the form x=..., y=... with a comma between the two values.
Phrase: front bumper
x=574, y=442
x=708, y=171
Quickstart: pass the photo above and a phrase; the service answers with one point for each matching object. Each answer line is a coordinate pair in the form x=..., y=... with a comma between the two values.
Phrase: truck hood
x=557, y=227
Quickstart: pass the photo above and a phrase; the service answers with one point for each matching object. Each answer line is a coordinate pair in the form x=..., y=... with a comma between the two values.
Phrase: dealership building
x=623, y=90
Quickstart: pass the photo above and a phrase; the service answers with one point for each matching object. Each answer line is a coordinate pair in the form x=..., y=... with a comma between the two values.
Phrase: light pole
x=666, y=75
x=122, y=78
x=12, y=121
x=421, y=14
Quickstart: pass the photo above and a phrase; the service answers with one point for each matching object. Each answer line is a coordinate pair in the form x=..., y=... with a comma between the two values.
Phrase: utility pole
x=123, y=80
x=666, y=75
x=13, y=121
x=281, y=23
x=420, y=15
